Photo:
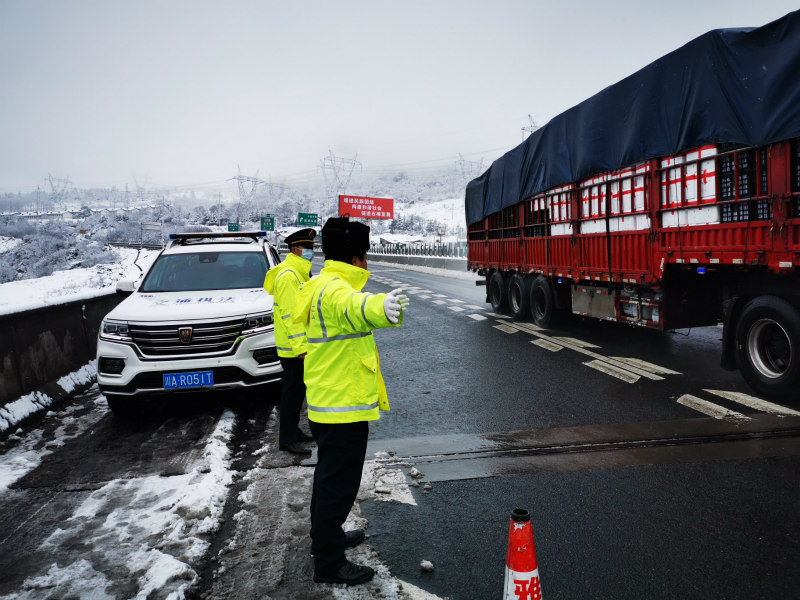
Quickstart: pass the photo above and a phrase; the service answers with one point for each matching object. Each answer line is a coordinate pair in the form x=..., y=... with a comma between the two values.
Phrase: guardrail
x=451, y=249
x=40, y=346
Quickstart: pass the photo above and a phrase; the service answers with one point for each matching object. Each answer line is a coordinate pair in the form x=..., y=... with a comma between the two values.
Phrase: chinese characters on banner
x=366, y=208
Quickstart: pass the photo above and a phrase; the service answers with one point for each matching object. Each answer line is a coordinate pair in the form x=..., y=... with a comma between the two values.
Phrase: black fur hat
x=342, y=239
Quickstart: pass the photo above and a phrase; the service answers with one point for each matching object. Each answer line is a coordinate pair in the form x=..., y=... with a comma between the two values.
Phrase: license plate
x=188, y=380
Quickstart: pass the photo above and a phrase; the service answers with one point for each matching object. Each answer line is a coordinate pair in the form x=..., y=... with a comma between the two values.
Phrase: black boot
x=349, y=574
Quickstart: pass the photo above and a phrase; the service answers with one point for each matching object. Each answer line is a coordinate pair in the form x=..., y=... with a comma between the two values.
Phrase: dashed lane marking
x=647, y=366
x=424, y=296
x=574, y=342
x=456, y=308
x=529, y=327
x=506, y=328
x=499, y=316
x=473, y=307
x=709, y=408
x=440, y=295
x=617, y=364
x=610, y=369
x=455, y=300
x=547, y=345
x=477, y=317
x=439, y=301
x=753, y=402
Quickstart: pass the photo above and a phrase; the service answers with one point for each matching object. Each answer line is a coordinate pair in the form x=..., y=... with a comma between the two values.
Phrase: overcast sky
x=179, y=93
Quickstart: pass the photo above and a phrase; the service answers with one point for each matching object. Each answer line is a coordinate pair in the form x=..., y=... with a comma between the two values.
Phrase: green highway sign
x=268, y=223
x=307, y=219
x=233, y=226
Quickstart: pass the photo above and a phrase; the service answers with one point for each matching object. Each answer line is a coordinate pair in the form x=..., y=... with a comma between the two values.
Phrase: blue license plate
x=188, y=380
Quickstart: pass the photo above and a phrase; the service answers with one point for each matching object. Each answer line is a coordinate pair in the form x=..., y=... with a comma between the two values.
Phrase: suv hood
x=183, y=306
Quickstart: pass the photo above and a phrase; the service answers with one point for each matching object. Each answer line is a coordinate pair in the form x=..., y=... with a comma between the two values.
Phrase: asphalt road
x=601, y=431
x=633, y=494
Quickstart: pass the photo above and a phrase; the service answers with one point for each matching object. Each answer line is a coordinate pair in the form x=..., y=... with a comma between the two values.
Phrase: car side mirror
x=125, y=288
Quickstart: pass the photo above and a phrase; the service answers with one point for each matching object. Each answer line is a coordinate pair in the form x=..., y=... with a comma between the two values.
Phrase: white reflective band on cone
x=522, y=586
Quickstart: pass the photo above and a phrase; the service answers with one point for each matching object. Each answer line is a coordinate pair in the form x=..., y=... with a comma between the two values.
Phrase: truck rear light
x=265, y=355
x=111, y=366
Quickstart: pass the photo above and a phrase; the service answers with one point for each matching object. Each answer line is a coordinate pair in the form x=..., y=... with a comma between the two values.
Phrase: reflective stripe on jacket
x=284, y=282
x=342, y=369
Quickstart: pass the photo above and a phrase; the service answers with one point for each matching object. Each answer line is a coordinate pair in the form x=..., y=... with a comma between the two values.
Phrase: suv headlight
x=259, y=323
x=115, y=331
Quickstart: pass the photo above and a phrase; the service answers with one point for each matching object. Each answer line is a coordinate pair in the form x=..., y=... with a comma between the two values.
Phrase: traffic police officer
x=345, y=389
x=284, y=282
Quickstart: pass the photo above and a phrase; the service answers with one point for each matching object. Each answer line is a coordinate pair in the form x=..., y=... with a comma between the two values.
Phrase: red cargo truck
x=668, y=200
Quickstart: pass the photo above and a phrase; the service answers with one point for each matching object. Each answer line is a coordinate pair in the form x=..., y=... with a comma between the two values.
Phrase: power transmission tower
x=247, y=197
x=140, y=189
x=337, y=172
x=529, y=129
x=468, y=169
x=58, y=188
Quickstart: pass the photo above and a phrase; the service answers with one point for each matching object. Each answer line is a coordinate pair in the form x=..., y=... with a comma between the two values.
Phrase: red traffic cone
x=522, y=573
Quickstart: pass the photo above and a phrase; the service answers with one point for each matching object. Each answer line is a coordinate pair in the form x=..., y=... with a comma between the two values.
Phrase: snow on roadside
x=21, y=408
x=154, y=528
x=74, y=284
x=27, y=453
x=285, y=529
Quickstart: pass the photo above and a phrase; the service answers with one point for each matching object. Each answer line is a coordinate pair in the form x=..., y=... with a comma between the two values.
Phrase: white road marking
x=424, y=296
x=439, y=302
x=506, y=328
x=574, y=342
x=456, y=308
x=615, y=364
x=440, y=295
x=455, y=300
x=753, y=402
x=477, y=317
x=709, y=408
x=609, y=369
x=547, y=345
x=473, y=307
x=635, y=362
x=530, y=327
x=499, y=316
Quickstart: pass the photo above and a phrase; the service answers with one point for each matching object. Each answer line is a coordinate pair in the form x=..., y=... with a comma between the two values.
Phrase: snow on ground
x=8, y=243
x=153, y=528
x=14, y=412
x=73, y=284
x=28, y=453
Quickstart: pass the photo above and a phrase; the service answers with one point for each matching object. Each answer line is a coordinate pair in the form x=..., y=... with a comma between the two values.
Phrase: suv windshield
x=206, y=271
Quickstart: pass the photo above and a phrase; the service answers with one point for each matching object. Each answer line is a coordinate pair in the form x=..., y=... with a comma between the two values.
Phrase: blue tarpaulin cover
x=737, y=86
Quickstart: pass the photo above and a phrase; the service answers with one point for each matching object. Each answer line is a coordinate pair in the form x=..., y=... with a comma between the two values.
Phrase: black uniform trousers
x=341, y=448
x=293, y=392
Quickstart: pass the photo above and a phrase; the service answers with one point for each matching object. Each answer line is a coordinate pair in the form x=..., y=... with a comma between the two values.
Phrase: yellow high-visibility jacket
x=284, y=282
x=342, y=368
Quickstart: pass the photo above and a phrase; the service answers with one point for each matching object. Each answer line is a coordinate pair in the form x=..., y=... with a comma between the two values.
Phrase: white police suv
x=199, y=320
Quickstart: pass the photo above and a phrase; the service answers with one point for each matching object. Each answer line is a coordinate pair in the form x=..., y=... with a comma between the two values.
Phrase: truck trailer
x=668, y=200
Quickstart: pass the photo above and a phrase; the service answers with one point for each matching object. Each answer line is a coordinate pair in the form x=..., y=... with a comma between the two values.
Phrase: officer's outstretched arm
x=361, y=311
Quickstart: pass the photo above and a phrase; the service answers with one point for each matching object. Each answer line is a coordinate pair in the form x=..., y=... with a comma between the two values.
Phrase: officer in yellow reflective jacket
x=283, y=282
x=345, y=389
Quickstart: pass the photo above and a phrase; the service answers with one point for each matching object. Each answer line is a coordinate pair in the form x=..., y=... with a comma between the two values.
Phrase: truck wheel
x=541, y=301
x=768, y=347
x=497, y=292
x=518, y=296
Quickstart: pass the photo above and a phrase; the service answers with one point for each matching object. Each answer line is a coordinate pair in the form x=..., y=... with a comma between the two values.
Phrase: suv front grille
x=157, y=341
